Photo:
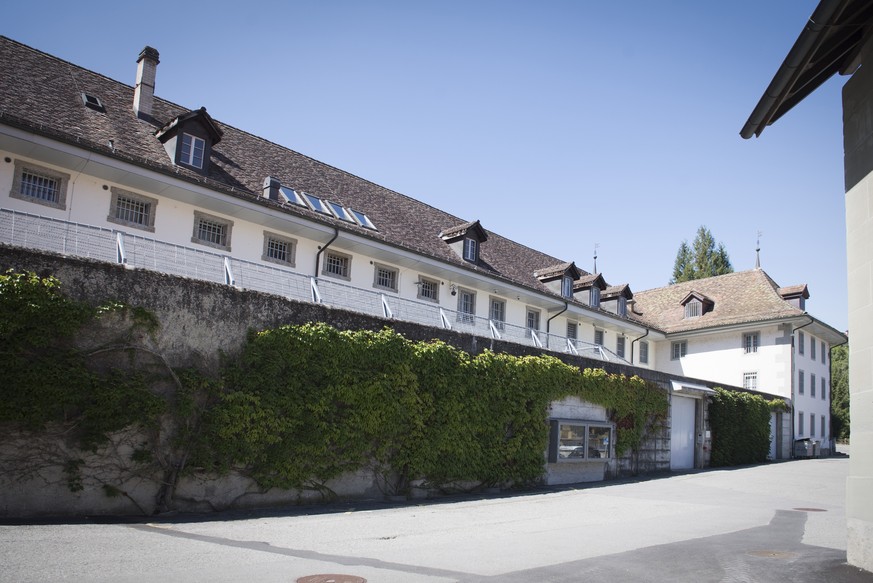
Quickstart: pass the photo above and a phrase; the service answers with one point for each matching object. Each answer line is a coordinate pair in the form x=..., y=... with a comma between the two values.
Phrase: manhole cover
x=810, y=509
x=773, y=554
x=331, y=578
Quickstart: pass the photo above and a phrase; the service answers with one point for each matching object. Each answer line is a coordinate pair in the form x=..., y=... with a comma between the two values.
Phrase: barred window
x=337, y=264
x=428, y=289
x=385, y=277
x=750, y=381
x=279, y=249
x=212, y=231
x=39, y=185
x=132, y=210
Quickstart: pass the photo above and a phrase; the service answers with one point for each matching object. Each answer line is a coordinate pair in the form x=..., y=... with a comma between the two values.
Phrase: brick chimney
x=144, y=94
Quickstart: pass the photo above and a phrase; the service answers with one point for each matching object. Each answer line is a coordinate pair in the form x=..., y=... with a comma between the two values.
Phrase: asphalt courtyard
x=776, y=522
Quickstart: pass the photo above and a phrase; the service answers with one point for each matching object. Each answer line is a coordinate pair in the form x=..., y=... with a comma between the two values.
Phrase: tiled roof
x=738, y=298
x=590, y=280
x=615, y=291
x=557, y=270
x=462, y=229
x=42, y=94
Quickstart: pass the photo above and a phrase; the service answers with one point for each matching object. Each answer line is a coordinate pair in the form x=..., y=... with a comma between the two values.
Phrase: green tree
x=840, y=392
x=702, y=259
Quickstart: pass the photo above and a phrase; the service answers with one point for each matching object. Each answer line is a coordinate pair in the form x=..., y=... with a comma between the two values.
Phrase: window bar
x=228, y=274
x=120, y=256
x=446, y=324
x=494, y=332
x=316, y=295
x=536, y=339
x=386, y=309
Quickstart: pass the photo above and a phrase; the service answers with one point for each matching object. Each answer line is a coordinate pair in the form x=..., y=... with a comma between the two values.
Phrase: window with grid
x=678, y=350
x=801, y=381
x=619, y=346
x=466, y=306
x=497, y=313
x=598, y=337
x=750, y=342
x=644, y=352
x=385, y=277
x=192, y=151
x=337, y=264
x=750, y=381
x=567, y=286
x=132, y=210
x=693, y=309
x=39, y=185
x=212, y=231
x=428, y=289
x=279, y=249
x=532, y=321
x=621, y=310
x=594, y=297
x=572, y=330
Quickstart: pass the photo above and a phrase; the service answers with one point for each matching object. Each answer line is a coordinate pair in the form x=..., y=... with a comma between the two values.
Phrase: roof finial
x=596, y=245
x=758, y=251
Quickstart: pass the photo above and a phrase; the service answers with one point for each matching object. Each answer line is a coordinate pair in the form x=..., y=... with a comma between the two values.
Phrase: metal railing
x=67, y=238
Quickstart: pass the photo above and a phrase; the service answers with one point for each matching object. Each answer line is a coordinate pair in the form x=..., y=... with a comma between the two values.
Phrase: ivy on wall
x=740, y=424
x=298, y=406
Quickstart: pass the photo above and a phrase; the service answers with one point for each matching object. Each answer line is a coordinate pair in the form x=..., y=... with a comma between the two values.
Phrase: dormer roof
x=473, y=228
x=615, y=291
x=794, y=291
x=197, y=116
x=556, y=271
x=590, y=280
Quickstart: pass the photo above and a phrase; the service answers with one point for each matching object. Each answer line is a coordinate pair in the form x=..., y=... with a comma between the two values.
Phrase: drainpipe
x=634, y=341
x=549, y=321
x=322, y=249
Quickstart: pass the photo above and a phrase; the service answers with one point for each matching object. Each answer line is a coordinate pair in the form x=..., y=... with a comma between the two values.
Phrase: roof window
x=93, y=102
x=316, y=203
x=362, y=219
x=340, y=212
x=291, y=196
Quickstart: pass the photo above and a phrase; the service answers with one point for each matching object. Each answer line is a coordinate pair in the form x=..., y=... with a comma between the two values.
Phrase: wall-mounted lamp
x=454, y=289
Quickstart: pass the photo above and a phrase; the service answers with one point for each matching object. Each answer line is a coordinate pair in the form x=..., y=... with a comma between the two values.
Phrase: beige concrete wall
x=858, y=143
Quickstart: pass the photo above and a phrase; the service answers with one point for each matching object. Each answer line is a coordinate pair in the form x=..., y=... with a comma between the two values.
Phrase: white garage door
x=682, y=433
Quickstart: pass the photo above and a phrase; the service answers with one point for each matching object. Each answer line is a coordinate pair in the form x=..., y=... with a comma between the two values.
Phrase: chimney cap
x=149, y=53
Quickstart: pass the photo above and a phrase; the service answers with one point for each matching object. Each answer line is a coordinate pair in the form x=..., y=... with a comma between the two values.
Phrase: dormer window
x=471, y=249
x=594, y=298
x=189, y=138
x=622, y=306
x=193, y=149
x=693, y=309
x=567, y=286
x=465, y=240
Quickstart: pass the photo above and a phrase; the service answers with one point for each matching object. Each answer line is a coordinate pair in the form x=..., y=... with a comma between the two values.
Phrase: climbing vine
x=740, y=424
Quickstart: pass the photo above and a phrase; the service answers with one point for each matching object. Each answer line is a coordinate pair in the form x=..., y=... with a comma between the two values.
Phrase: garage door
x=682, y=433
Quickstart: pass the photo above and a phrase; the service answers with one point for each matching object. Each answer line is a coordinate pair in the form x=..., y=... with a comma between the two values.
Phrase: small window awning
x=691, y=390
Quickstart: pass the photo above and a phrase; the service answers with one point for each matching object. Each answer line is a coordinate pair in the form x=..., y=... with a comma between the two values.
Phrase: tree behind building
x=702, y=259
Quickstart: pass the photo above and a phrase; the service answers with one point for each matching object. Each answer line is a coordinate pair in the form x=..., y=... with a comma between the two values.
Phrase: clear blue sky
x=559, y=124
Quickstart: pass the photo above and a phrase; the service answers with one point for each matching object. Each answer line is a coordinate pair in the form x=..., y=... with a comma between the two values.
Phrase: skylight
x=363, y=219
x=290, y=195
x=93, y=102
x=340, y=212
x=316, y=204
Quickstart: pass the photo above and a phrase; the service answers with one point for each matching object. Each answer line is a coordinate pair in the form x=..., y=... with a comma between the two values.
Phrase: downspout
x=549, y=321
x=634, y=341
x=793, y=377
x=322, y=249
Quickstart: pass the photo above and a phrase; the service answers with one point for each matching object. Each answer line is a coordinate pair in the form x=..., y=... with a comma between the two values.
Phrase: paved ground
x=778, y=522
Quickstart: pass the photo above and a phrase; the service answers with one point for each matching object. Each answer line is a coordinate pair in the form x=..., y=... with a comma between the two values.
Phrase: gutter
x=322, y=249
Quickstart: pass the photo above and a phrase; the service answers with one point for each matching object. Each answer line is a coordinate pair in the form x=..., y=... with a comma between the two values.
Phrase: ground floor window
x=579, y=440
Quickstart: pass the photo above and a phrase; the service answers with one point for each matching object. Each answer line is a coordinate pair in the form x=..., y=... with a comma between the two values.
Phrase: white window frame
x=621, y=307
x=574, y=326
x=425, y=283
x=274, y=240
x=337, y=264
x=644, y=352
x=678, y=349
x=594, y=297
x=466, y=306
x=620, y=345
x=120, y=196
x=751, y=342
x=694, y=309
x=471, y=249
x=599, y=336
x=567, y=286
x=20, y=185
x=190, y=142
x=393, y=277
x=531, y=321
x=750, y=381
x=497, y=312
x=225, y=224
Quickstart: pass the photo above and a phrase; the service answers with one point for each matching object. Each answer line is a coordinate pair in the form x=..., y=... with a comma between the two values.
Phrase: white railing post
x=535, y=338
x=571, y=347
x=316, y=295
x=446, y=324
x=495, y=333
x=228, y=273
x=386, y=309
x=119, y=248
